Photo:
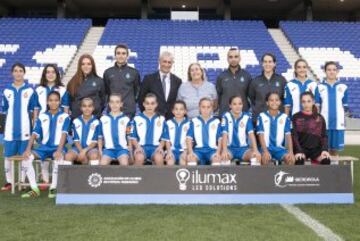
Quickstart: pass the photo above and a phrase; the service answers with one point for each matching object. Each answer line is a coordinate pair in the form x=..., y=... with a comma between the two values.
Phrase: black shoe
x=300, y=162
x=325, y=161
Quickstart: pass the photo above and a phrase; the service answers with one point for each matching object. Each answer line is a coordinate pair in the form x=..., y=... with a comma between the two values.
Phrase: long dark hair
x=309, y=93
x=79, y=76
x=44, y=81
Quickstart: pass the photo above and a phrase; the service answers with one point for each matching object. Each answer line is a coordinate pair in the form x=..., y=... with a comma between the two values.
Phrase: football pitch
x=40, y=219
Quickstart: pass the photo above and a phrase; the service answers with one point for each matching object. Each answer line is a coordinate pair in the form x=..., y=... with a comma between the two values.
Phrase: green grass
x=342, y=219
x=40, y=219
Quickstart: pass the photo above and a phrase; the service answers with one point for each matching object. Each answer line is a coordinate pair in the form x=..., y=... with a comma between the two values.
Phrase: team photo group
x=163, y=120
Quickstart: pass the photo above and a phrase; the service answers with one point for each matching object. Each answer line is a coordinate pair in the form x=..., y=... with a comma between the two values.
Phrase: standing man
x=233, y=81
x=163, y=84
x=123, y=79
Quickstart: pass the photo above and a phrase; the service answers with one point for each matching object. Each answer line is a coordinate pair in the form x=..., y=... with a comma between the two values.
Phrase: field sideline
x=40, y=219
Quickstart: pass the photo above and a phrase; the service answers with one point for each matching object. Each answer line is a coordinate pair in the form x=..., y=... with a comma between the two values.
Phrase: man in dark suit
x=163, y=84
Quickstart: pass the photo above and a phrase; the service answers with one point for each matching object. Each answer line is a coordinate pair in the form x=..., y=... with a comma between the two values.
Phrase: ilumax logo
x=213, y=178
x=205, y=181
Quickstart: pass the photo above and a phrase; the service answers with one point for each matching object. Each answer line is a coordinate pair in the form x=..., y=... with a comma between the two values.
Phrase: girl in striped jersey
x=273, y=129
x=175, y=135
x=51, y=129
x=85, y=129
x=18, y=103
x=204, y=136
x=238, y=139
x=50, y=81
x=297, y=86
x=333, y=101
x=147, y=132
x=115, y=127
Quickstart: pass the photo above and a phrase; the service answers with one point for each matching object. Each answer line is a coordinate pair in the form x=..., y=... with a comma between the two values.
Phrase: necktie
x=163, y=83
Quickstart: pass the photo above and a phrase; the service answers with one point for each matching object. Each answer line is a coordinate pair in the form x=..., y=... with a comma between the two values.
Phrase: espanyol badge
x=158, y=123
x=127, y=75
x=61, y=119
x=242, y=124
x=26, y=95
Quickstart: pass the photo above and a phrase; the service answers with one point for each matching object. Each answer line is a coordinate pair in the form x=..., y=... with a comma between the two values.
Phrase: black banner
x=204, y=180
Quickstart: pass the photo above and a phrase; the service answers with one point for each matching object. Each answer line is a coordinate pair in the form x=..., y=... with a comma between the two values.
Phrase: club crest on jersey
x=186, y=129
x=127, y=76
x=281, y=121
x=242, y=79
x=77, y=127
x=277, y=84
x=61, y=120
x=93, y=126
x=242, y=124
x=26, y=95
x=93, y=83
x=340, y=89
x=158, y=123
x=122, y=122
x=213, y=126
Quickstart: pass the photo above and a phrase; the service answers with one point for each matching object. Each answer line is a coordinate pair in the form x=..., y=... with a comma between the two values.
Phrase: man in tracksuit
x=123, y=79
x=233, y=81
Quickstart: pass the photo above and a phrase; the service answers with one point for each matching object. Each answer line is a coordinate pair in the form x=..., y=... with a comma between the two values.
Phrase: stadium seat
x=36, y=42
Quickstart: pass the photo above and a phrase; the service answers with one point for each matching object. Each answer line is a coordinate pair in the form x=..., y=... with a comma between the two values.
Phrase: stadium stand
x=319, y=42
x=205, y=41
x=36, y=42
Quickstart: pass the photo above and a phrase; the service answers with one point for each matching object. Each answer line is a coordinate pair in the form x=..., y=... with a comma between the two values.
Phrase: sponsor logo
x=196, y=181
x=242, y=124
x=182, y=175
x=95, y=180
x=283, y=179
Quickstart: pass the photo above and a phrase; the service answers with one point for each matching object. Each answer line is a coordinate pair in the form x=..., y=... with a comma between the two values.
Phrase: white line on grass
x=320, y=229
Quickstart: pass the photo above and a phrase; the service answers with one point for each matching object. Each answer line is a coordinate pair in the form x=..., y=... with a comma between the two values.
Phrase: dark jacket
x=123, y=80
x=152, y=84
x=93, y=87
x=229, y=84
x=260, y=87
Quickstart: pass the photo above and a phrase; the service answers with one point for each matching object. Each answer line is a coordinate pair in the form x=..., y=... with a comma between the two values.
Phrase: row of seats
x=36, y=42
x=205, y=41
